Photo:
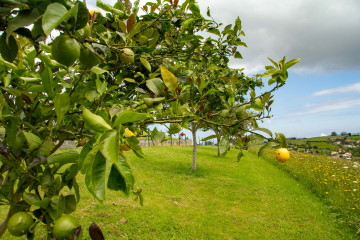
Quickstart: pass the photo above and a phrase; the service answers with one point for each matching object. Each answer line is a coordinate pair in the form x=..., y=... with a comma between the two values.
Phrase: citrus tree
x=100, y=80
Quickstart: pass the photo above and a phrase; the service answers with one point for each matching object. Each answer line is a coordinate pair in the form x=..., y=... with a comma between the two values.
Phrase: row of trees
x=102, y=82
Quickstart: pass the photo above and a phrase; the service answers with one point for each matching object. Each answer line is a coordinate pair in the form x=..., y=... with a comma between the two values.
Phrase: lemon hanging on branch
x=65, y=228
x=65, y=50
x=19, y=224
x=282, y=155
x=127, y=55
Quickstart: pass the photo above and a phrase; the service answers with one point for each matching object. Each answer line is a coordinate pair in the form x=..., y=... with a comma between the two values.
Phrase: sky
x=322, y=93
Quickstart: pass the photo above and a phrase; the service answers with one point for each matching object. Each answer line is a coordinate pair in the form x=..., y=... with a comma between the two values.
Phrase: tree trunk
x=218, y=143
x=193, y=130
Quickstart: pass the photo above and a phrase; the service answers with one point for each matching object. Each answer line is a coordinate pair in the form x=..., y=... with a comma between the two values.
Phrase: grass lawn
x=223, y=199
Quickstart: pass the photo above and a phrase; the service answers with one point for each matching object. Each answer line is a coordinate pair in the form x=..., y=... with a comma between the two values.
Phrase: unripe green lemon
x=65, y=50
x=20, y=223
x=88, y=58
x=64, y=227
x=127, y=55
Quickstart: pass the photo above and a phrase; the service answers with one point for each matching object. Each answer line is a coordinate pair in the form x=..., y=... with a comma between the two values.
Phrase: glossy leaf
x=265, y=130
x=109, y=8
x=24, y=18
x=291, y=63
x=55, y=13
x=62, y=105
x=95, y=122
x=64, y=158
x=281, y=139
x=129, y=116
x=86, y=149
x=109, y=146
x=95, y=177
x=8, y=48
x=145, y=63
x=57, y=207
x=88, y=160
x=156, y=85
x=33, y=141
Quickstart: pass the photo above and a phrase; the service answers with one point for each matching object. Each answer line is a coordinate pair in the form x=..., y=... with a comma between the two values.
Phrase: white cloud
x=333, y=105
x=344, y=89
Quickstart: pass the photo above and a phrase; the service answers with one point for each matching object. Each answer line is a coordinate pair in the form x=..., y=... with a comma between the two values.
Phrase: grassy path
x=223, y=200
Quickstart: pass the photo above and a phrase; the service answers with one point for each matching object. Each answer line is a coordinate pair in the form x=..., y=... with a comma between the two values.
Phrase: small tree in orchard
x=67, y=74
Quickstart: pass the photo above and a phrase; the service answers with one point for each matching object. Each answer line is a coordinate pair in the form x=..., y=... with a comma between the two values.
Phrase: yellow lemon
x=282, y=155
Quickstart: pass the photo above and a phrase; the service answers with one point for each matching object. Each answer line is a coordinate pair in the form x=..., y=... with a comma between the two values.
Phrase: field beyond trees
x=223, y=199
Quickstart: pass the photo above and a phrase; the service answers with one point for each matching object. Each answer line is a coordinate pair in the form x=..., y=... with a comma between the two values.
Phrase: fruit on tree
x=282, y=155
x=128, y=133
x=65, y=50
x=88, y=58
x=20, y=223
x=127, y=55
x=64, y=227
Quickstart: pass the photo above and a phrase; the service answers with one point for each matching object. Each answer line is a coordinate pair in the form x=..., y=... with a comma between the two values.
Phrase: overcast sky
x=322, y=93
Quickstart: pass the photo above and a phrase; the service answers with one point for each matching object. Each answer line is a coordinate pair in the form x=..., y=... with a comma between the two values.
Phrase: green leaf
x=169, y=79
x=156, y=85
x=150, y=102
x=98, y=71
x=8, y=48
x=265, y=130
x=109, y=8
x=125, y=171
x=129, y=116
x=208, y=138
x=70, y=204
x=47, y=81
x=24, y=18
x=145, y=63
x=88, y=160
x=291, y=63
x=95, y=177
x=238, y=23
x=33, y=141
x=263, y=147
x=31, y=198
x=57, y=207
x=157, y=136
x=55, y=13
x=273, y=62
x=109, y=146
x=64, y=158
x=281, y=139
x=94, y=121
x=214, y=31
x=195, y=9
x=116, y=181
x=62, y=105
x=238, y=55
x=135, y=29
x=224, y=146
x=86, y=149
x=271, y=72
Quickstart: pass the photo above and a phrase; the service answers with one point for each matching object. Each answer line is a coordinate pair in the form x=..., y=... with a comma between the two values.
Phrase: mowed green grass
x=223, y=199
